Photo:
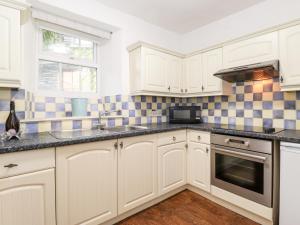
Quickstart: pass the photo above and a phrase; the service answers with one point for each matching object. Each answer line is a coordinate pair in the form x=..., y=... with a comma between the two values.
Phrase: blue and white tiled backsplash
x=255, y=103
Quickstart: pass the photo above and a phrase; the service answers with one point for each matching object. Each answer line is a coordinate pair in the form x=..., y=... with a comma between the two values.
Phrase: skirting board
x=204, y=194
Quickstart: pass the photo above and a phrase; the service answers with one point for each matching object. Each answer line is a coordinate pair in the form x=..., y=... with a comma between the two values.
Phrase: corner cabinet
x=154, y=72
x=199, y=74
x=86, y=183
x=10, y=53
x=137, y=171
x=289, y=46
x=254, y=50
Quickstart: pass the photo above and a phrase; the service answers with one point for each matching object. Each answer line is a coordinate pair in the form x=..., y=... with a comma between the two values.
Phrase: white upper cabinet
x=253, y=50
x=193, y=74
x=86, y=183
x=289, y=51
x=137, y=171
x=153, y=71
x=174, y=74
x=10, y=47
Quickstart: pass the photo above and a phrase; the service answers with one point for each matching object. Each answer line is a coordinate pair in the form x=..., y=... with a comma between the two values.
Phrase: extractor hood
x=257, y=71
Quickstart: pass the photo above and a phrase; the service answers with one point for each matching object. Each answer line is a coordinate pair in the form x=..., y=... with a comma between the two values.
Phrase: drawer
x=171, y=137
x=12, y=164
x=199, y=136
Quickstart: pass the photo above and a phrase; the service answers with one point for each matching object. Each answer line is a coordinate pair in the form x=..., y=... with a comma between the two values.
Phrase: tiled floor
x=187, y=208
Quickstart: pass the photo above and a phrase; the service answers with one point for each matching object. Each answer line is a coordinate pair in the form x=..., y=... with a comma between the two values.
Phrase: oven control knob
x=247, y=143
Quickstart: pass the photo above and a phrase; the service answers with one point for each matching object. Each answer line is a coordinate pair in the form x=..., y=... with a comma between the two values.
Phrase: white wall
x=132, y=29
x=258, y=17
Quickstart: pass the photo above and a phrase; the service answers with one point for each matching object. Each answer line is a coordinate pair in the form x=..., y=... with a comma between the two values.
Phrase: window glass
x=67, y=63
x=48, y=75
x=72, y=47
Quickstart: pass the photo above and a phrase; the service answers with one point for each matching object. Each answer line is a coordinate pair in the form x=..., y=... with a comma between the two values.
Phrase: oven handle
x=255, y=157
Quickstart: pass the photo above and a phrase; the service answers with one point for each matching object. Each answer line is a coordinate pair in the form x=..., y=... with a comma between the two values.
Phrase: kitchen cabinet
x=289, y=184
x=212, y=61
x=28, y=199
x=289, y=48
x=254, y=50
x=86, y=183
x=193, y=74
x=171, y=167
x=10, y=53
x=198, y=160
x=153, y=71
x=27, y=188
x=137, y=171
x=174, y=74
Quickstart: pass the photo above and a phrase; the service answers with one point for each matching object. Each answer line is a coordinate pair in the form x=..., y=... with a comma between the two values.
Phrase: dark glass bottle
x=12, y=121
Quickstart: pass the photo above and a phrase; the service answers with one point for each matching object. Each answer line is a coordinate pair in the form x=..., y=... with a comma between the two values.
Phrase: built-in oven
x=185, y=114
x=243, y=166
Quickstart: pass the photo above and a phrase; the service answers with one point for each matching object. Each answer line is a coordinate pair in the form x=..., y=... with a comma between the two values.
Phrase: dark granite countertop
x=46, y=140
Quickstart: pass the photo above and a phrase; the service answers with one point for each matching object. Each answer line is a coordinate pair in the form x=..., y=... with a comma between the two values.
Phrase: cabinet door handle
x=202, y=88
x=121, y=144
x=186, y=90
x=116, y=145
x=11, y=165
x=207, y=149
x=181, y=90
x=174, y=138
x=281, y=79
x=169, y=88
x=199, y=138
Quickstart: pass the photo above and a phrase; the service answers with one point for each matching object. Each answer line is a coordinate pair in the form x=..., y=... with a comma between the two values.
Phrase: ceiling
x=180, y=16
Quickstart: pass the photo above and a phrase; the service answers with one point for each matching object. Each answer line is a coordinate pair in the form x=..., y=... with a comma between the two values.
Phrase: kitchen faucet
x=101, y=125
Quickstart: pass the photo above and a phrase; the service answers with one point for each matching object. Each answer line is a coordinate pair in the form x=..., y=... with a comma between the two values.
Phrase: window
x=66, y=63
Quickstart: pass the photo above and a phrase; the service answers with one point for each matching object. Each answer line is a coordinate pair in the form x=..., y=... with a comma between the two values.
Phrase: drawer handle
x=174, y=138
x=10, y=165
x=199, y=138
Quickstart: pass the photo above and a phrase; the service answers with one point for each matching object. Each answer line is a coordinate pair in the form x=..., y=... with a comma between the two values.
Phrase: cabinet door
x=86, y=183
x=137, y=171
x=171, y=167
x=289, y=45
x=254, y=50
x=199, y=165
x=174, y=72
x=289, y=184
x=155, y=71
x=212, y=62
x=10, y=47
x=193, y=73
x=28, y=199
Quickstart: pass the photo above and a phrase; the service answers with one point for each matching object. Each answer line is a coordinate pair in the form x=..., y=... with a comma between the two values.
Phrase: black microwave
x=185, y=114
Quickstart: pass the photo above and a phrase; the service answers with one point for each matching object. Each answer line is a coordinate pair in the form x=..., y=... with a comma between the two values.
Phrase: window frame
x=61, y=59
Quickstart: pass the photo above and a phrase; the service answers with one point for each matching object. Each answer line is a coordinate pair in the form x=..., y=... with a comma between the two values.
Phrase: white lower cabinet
x=289, y=184
x=28, y=199
x=137, y=171
x=171, y=167
x=86, y=183
x=199, y=165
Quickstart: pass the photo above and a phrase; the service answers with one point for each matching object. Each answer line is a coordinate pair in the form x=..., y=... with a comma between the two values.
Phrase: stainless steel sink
x=69, y=134
x=126, y=128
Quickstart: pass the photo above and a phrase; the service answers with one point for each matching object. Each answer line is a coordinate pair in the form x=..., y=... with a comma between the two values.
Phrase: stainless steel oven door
x=245, y=173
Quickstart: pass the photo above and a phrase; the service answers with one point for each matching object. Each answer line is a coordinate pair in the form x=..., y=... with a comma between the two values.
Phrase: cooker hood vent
x=257, y=71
